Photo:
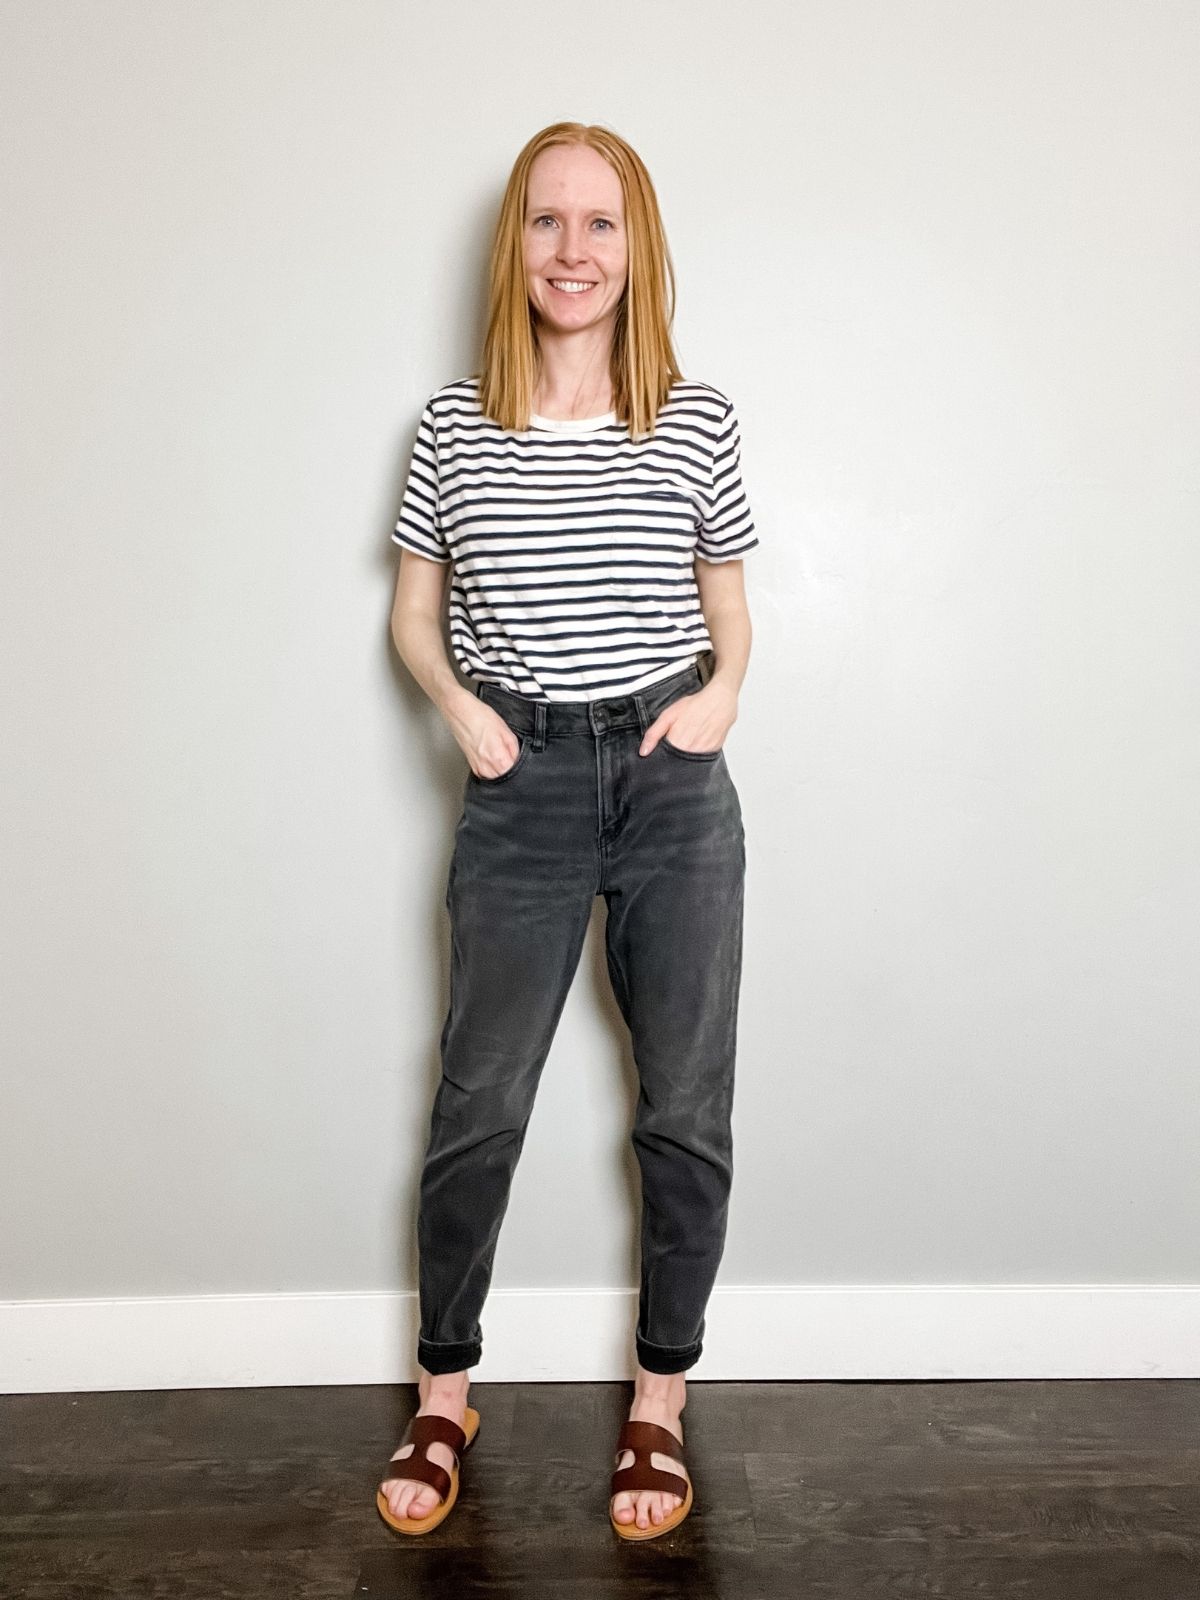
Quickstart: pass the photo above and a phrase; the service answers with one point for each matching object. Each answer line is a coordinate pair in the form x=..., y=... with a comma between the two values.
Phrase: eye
x=546, y=217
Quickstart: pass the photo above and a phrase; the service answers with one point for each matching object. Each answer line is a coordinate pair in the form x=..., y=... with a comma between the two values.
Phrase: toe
x=623, y=1505
x=422, y=1504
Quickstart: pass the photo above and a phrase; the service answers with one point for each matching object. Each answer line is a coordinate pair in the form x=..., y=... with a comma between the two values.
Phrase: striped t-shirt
x=572, y=544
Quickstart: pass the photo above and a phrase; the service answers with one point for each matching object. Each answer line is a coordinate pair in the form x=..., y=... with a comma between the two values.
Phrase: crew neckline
x=573, y=424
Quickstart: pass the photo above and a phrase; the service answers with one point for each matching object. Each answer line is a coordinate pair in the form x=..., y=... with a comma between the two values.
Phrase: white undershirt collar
x=573, y=424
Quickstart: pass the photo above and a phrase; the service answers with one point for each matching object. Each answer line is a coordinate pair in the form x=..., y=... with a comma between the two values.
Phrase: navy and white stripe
x=572, y=545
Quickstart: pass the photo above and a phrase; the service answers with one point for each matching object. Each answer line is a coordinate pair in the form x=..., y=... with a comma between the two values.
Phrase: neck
x=573, y=378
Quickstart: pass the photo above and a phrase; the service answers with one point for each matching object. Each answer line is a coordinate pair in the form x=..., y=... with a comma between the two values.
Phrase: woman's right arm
x=486, y=740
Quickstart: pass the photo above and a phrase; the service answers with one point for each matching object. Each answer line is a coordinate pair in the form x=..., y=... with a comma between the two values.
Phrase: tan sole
x=630, y=1530
x=419, y=1525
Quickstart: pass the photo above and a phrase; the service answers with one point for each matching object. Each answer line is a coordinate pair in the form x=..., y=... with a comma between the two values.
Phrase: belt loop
x=539, y=726
x=643, y=714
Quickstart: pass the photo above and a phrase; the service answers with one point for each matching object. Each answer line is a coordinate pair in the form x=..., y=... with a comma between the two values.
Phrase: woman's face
x=574, y=233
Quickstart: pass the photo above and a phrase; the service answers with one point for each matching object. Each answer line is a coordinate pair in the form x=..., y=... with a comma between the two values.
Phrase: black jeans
x=581, y=813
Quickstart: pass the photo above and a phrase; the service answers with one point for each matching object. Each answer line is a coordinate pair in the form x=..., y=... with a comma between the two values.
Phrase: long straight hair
x=643, y=364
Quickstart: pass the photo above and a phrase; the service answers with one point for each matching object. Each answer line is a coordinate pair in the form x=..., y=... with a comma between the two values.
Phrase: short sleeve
x=420, y=524
x=727, y=533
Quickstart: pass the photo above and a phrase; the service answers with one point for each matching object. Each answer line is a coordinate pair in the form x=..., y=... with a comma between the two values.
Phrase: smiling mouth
x=570, y=285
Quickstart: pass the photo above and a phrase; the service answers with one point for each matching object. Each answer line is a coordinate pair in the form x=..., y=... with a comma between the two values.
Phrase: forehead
x=573, y=177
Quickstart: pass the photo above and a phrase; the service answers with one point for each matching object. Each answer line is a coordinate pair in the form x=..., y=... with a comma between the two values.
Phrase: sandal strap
x=643, y=1476
x=432, y=1429
x=420, y=1433
x=642, y=1438
x=421, y=1468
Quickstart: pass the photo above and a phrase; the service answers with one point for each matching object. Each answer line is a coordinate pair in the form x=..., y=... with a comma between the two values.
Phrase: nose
x=572, y=247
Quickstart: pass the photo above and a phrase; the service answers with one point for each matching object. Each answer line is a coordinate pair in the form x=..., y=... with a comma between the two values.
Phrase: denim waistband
x=541, y=721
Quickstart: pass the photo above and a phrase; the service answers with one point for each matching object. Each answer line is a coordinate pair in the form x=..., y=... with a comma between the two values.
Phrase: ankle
x=660, y=1389
x=443, y=1387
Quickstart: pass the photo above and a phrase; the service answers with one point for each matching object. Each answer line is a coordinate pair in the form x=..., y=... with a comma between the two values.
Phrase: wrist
x=723, y=687
x=455, y=701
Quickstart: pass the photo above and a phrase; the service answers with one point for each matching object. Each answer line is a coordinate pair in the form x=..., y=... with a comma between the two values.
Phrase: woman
x=588, y=504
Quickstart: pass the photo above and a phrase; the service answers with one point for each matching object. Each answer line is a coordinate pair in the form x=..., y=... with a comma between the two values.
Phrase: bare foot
x=442, y=1396
x=659, y=1398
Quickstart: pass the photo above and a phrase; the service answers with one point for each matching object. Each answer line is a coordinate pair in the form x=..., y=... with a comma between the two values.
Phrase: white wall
x=944, y=257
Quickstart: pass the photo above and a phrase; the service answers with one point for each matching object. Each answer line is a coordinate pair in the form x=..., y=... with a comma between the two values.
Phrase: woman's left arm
x=723, y=600
x=704, y=718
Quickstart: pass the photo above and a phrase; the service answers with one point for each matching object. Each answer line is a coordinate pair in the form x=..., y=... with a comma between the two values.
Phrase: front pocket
x=504, y=776
x=673, y=509
x=689, y=755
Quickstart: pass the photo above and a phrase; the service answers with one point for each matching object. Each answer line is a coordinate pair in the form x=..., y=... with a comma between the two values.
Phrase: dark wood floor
x=1067, y=1490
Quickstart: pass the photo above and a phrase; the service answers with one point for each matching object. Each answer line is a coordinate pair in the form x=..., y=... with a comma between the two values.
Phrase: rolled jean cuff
x=665, y=1358
x=439, y=1358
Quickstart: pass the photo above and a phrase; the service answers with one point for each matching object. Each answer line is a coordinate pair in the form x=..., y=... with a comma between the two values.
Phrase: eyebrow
x=601, y=212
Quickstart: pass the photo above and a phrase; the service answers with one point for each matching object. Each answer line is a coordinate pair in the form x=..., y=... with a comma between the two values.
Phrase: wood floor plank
x=1038, y=1490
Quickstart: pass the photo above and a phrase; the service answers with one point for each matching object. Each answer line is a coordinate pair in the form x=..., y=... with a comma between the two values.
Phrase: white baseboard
x=586, y=1335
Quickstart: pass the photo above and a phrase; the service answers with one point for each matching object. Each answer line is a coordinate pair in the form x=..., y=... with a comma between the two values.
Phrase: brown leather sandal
x=421, y=1432
x=643, y=1438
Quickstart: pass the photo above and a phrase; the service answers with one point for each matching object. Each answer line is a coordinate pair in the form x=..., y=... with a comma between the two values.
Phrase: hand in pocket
x=695, y=724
